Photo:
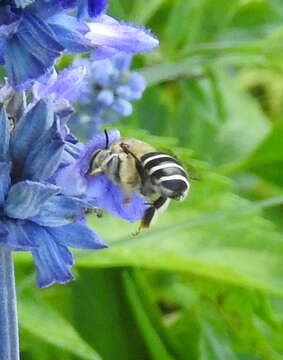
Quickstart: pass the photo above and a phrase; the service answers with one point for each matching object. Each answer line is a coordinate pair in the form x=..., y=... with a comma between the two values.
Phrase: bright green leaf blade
x=267, y=160
x=154, y=333
x=47, y=324
x=116, y=9
x=143, y=10
x=102, y=314
x=214, y=344
x=169, y=71
x=216, y=117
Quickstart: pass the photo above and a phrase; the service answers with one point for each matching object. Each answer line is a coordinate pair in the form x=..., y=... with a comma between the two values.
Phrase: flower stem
x=9, y=339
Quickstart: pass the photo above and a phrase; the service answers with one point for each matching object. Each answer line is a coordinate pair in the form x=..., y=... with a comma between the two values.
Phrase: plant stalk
x=9, y=332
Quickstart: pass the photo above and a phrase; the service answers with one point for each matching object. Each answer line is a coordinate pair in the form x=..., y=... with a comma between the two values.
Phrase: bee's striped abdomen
x=166, y=173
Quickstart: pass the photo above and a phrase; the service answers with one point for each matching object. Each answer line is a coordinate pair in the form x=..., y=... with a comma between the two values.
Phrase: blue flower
x=35, y=214
x=111, y=36
x=31, y=41
x=99, y=189
x=109, y=87
x=34, y=33
x=45, y=191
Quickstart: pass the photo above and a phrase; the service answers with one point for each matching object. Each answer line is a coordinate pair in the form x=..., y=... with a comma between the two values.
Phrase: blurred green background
x=205, y=282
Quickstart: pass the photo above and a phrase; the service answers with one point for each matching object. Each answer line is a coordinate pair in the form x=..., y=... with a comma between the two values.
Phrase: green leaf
x=121, y=302
x=116, y=9
x=177, y=26
x=153, y=113
x=169, y=71
x=214, y=344
x=267, y=160
x=214, y=119
x=217, y=235
x=44, y=322
x=158, y=341
x=144, y=10
x=102, y=314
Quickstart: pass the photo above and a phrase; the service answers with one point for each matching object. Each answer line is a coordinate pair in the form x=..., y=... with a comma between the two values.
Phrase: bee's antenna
x=107, y=139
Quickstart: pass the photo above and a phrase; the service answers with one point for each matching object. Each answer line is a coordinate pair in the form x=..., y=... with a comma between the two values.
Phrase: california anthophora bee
x=139, y=168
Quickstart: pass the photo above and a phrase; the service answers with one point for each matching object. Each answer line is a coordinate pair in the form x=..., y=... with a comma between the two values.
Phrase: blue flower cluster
x=45, y=192
x=45, y=189
x=34, y=33
x=105, y=93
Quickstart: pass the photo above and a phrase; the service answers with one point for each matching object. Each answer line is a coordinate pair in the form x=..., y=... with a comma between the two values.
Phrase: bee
x=139, y=169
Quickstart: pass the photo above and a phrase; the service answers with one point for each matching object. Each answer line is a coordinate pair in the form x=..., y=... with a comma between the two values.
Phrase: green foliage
x=205, y=283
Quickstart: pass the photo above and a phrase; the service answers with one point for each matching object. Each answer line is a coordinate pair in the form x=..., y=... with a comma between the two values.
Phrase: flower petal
x=4, y=133
x=91, y=8
x=52, y=260
x=5, y=180
x=46, y=9
x=2, y=49
x=122, y=107
x=77, y=235
x=136, y=84
x=30, y=127
x=70, y=33
x=66, y=86
x=61, y=210
x=103, y=52
x=25, y=199
x=108, y=32
x=31, y=52
x=45, y=157
x=110, y=197
x=18, y=238
x=23, y=3
x=6, y=15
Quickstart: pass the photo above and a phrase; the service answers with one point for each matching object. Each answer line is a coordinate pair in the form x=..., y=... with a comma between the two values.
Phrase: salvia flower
x=35, y=214
x=34, y=33
x=38, y=212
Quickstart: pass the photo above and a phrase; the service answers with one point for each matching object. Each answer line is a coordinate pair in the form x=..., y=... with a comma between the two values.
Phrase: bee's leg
x=119, y=171
x=113, y=166
x=110, y=165
x=95, y=172
x=128, y=193
x=150, y=214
